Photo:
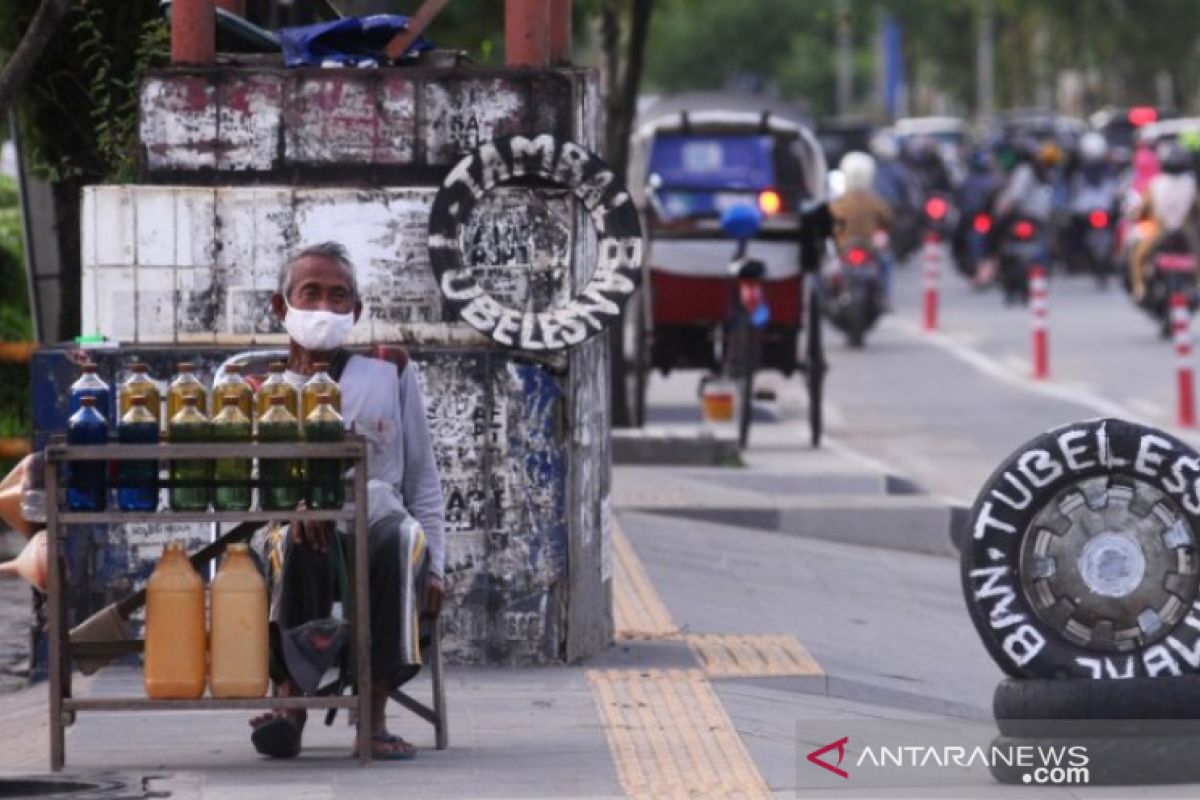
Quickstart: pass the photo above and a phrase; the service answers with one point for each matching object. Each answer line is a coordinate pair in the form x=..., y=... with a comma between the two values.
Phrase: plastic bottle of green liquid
x=325, y=488
x=137, y=487
x=231, y=476
x=282, y=479
x=191, y=479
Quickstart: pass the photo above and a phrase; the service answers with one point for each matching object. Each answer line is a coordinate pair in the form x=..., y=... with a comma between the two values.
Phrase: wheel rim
x=1110, y=564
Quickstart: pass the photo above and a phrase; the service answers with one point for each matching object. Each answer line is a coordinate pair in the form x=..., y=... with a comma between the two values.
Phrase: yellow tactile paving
x=671, y=738
x=638, y=612
x=730, y=656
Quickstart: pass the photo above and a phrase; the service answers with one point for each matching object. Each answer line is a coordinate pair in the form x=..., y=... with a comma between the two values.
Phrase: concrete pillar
x=527, y=33
x=560, y=31
x=193, y=32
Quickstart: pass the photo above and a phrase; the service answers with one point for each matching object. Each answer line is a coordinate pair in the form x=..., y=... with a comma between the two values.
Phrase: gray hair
x=334, y=251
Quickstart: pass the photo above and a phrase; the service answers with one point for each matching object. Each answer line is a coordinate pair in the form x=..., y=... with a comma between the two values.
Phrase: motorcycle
x=1095, y=253
x=852, y=292
x=1021, y=247
x=1172, y=269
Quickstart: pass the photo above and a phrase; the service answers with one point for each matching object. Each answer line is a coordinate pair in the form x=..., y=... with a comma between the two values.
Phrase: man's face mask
x=317, y=330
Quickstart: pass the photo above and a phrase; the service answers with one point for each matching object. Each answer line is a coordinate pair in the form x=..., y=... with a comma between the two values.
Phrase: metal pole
x=193, y=32
x=985, y=62
x=527, y=33
x=560, y=31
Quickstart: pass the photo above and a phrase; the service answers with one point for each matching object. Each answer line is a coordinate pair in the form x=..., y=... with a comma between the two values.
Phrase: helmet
x=1093, y=147
x=885, y=147
x=1173, y=159
x=859, y=169
x=1049, y=153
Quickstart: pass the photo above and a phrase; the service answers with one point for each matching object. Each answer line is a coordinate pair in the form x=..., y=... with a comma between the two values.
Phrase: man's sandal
x=394, y=748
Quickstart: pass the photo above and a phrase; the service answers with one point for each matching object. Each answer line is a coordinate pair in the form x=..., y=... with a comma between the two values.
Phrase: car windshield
x=690, y=161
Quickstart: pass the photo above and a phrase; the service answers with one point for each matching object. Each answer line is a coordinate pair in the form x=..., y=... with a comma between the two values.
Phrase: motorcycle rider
x=896, y=184
x=1171, y=206
x=1093, y=187
x=861, y=215
x=1027, y=192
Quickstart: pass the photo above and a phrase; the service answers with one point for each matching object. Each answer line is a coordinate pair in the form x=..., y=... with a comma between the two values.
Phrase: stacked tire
x=1080, y=571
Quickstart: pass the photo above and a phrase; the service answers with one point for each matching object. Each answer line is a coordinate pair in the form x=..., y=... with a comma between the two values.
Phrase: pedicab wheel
x=814, y=357
x=1082, y=559
x=746, y=405
x=641, y=363
x=637, y=363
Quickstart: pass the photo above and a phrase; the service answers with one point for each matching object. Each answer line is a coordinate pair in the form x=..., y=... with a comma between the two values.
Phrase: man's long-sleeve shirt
x=389, y=410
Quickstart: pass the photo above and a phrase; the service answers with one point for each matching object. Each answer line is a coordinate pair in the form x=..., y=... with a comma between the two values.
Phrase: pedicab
x=690, y=169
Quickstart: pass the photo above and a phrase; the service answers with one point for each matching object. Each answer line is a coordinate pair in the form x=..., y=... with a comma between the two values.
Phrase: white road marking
x=997, y=370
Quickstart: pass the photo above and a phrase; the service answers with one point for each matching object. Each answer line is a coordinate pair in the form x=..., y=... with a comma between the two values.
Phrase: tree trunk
x=20, y=66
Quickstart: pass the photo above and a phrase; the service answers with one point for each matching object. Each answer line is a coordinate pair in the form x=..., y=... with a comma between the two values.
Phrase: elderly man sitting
x=318, y=302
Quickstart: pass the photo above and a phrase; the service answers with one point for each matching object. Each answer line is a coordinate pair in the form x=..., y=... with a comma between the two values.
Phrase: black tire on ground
x=1112, y=761
x=1090, y=708
x=1081, y=555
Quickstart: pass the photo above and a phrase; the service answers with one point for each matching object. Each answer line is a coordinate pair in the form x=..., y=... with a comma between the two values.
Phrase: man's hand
x=435, y=593
x=311, y=534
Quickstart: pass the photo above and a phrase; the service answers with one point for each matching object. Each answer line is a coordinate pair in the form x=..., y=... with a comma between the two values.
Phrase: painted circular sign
x=619, y=263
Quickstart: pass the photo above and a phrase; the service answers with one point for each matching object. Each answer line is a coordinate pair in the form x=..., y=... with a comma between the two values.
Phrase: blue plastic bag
x=350, y=41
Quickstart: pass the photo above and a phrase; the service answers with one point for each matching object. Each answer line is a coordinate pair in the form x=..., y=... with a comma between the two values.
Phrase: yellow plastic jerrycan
x=239, y=627
x=175, y=640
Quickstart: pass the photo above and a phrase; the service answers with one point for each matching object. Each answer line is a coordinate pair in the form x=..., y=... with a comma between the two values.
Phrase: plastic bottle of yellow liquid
x=175, y=637
x=232, y=384
x=319, y=384
x=277, y=385
x=239, y=627
x=140, y=382
x=185, y=385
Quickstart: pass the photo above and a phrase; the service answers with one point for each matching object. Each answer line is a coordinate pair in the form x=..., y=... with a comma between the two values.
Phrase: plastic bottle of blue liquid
x=90, y=385
x=137, y=488
x=87, y=481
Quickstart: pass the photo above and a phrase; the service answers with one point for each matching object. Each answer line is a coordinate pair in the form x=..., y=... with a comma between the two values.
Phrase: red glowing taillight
x=935, y=208
x=857, y=257
x=1098, y=219
x=1023, y=229
x=982, y=224
x=769, y=202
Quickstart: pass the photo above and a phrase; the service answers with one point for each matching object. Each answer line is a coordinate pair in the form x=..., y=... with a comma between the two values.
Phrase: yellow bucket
x=717, y=401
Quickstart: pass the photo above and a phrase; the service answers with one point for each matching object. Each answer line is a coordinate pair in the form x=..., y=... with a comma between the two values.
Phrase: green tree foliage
x=787, y=46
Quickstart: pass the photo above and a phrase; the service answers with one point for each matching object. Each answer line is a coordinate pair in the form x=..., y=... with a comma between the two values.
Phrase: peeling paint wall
x=240, y=167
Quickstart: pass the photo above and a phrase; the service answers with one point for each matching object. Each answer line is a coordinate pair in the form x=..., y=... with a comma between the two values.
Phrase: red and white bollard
x=1181, y=324
x=1039, y=305
x=932, y=259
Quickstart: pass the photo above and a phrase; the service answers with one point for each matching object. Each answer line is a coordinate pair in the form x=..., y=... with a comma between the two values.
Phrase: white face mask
x=317, y=330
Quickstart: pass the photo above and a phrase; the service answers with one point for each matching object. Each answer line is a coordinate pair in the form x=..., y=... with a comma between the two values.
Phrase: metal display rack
x=64, y=706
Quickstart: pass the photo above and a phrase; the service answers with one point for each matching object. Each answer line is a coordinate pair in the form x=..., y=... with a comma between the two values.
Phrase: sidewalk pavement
x=698, y=698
